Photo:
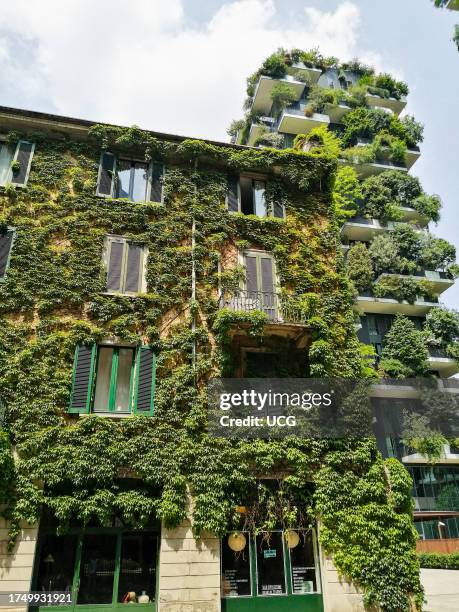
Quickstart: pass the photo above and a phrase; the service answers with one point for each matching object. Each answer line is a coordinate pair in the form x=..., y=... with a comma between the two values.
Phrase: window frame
x=113, y=379
x=133, y=161
x=109, y=239
x=288, y=574
x=13, y=230
x=258, y=253
x=9, y=175
x=268, y=206
x=114, y=183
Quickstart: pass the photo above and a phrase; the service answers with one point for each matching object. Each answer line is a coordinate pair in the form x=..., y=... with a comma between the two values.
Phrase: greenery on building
x=439, y=560
x=53, y=298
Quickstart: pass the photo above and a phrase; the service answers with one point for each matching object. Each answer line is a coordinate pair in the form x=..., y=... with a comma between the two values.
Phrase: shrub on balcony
x=384, y=254
x=378, y=201
x=282, y=95
x=235, y=126
x=442, y=326
x=359, y=266
x=319, y=140
x=275, y=66
x=414, y=130
x=399, y=287
x=428, y=206
x=385, y=86
x=346, y=193
x=269, y=139
x=406, y=344
x=436, y=253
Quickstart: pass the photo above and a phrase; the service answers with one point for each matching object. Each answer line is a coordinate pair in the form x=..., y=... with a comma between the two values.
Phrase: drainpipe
x=193, y=274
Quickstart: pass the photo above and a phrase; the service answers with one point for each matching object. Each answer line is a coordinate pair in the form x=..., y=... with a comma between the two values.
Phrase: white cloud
x=139, y=62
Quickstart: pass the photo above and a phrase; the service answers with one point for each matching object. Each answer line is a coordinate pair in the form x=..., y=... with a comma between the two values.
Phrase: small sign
x=269, y=553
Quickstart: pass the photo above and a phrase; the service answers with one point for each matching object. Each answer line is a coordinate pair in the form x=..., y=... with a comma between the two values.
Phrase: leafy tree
x=406, y=344
x=359, y=266
x=414, y=130
x=443, y=325
x=235, y=126
x=408, y=245
x=378, y=201
x=274, y=66
x=346, y=193
x=428, y=206
x=436, y=253
x=282, y=95
x=384, y=255
x=403, y=187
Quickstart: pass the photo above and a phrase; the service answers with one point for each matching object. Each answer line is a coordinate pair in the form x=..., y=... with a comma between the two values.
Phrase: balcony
x=311, y=74
x=336, y=112
x=412, y=215
x=283, y=318
x=437, y=281
x=367, y=302
x=294, y=121
x=257, y=129
x=366, y=169
x=262, y=101
x=392, y=104
x=412, y=156
x=365, y=229
x=440, y=362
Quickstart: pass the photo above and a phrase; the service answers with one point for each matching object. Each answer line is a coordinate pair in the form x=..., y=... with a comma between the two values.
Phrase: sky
x=179, y=66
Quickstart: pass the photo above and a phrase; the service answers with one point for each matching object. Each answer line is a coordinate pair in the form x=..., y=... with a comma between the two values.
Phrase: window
x=99, y=567
x=132, y=179
x=15, y=162
x=109, y=379
x=247, y=195
x=6, y=243
x=270, y=564
x=125, y=263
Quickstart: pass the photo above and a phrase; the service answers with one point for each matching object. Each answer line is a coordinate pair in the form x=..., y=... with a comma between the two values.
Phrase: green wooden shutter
x=83, y=377
x=116, y=249
x=6, y=241
x=23, y=155
x=105, y=181
x=144, y=397
x=132, y=282
x=156, y=182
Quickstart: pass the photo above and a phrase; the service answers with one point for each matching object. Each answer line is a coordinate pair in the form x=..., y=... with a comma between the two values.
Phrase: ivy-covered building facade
x=137, y=266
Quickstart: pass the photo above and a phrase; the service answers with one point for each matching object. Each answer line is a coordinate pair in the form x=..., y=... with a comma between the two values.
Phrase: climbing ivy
x=90, y=468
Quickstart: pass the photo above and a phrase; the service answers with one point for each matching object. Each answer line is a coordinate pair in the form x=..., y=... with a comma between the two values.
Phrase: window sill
x=108, y=415
x=125, y=295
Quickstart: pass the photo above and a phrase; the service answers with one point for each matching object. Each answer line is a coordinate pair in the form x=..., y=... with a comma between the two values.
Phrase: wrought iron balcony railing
x=277, y=308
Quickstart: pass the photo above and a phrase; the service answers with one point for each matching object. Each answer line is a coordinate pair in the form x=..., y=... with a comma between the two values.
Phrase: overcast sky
x=179, y=66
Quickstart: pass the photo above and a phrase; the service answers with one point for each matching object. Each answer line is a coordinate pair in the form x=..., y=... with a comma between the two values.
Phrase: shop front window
x=103, y=567
x=273, y=563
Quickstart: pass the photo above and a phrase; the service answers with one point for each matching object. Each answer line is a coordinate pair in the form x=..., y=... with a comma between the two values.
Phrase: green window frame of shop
x=100, y=568
x=113, y=380
x=288, y=590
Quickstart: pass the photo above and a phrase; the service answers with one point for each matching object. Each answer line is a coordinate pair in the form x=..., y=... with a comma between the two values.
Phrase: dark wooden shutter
x=156, y=178
x=278, y=210
x=145, y=381
x=5, y=247
x=267, y=283
x=115, y=265
x=83, y=376
x=23, y=156
x=232, y=197
x=133, y=268
x=251, y=274
x=106, y=175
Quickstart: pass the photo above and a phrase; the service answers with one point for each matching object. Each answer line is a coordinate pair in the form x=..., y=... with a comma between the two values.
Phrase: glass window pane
x=139, y=189
x=137, y=567
x=303, y=566
x=57, y=563
x=6, y=155
x=123, y=172
x=259, y=197
x=104, y=371
x=270, y=563
x=236, y=570
x=97, y=569
x=123, y=380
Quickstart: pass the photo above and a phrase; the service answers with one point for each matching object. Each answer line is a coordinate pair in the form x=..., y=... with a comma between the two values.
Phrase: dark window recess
x=232, y=197
x=137, y=569
x=252, y=196
x=97, y=569
x=6, y=240
x=273, y=365
x=57, y=562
